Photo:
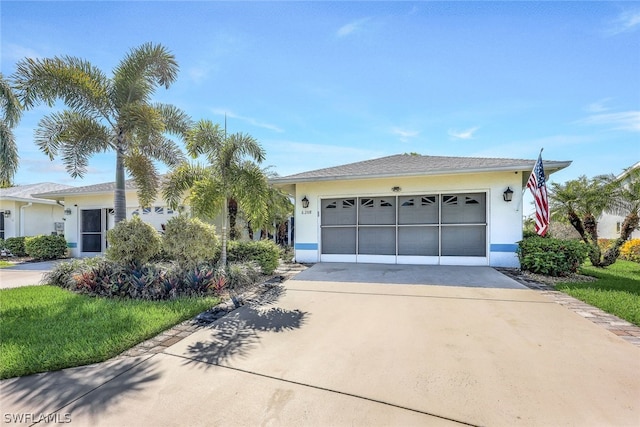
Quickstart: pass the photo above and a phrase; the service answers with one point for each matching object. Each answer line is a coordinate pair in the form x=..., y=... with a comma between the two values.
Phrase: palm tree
x=10, y=111
x=105, y=114
x=582, y=201
x=232, y=176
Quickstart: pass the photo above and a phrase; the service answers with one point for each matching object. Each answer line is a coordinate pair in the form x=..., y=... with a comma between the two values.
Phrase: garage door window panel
x=418, y=210
x=339, y=212
x=464, y=240
x=464, y=208
x=420, y=241
x=377, y=211
x=377, y=240
x=339, y=240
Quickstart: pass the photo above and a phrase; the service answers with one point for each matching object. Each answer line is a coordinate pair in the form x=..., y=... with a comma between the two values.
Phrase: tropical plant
x=132, y=241
x=107, y=114
x=189, y=241
x=45, y=246
x=582, y=201
x=231, y=177
x=10, y=112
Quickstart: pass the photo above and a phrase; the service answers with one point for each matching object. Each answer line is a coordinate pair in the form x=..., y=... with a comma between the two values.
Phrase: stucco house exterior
x=609, y=224
x=412, y=209
x=88, y=214
x=23, y=214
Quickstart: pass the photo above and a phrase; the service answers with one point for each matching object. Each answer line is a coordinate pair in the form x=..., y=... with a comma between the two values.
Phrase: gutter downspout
x=22, y=208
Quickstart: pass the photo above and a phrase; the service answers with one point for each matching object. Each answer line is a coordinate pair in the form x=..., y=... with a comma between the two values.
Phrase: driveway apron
x=326, y=352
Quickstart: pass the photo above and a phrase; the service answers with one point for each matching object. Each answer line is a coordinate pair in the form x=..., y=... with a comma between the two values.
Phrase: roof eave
x=550, y=167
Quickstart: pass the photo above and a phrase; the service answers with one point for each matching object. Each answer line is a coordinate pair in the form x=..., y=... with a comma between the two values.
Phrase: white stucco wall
x=33, y=220
x=504, y=219
x=608, y=227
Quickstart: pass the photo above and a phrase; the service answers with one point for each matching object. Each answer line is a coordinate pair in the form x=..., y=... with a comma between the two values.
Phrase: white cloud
x=405, y=134
x=250, y=120
x=624, y=120
x=464, y=134
x=599, y=106
x=351, y=27
x=627, y=21
x=13, y=53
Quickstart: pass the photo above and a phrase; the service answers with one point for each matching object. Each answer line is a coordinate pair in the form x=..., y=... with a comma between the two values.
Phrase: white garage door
x=426, y=229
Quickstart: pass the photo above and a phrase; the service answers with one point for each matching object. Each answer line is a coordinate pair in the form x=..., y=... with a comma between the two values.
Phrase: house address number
x=306, y=212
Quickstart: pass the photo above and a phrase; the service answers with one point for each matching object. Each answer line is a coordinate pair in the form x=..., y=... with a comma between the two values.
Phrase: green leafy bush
x=45, y=247
x=132, y=241
x=265, y=252
x=189, y=241
x=15, y=245
x=630, y=250
x=552, y=257
x=242, y=274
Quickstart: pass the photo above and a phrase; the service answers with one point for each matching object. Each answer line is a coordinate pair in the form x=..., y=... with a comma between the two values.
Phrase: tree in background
x=582, y=201
x=10, y=112
x=231, y=178
x=107, y=114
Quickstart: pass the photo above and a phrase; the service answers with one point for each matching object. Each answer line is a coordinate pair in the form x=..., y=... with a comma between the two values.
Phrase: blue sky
x=326, y=83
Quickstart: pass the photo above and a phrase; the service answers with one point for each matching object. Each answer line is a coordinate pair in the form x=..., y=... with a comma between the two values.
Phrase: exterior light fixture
x=507, y=195
x=67, y=211
x=305, y=202
x=395, y=189
x=7, y=213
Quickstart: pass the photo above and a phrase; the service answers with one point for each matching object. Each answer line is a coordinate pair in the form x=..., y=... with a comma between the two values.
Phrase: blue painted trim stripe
x=72, y=245
x=307, y=246
x=503, y=247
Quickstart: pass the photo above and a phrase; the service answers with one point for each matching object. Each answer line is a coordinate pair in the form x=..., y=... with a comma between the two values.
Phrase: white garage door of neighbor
x=421, y=229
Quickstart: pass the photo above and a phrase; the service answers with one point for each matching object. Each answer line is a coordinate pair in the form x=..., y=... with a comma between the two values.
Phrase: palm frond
x=141, y=71
x=207, y=197
x=145, y=175
x=8, y=155
x=163, y=149
x=10, y=108
x=80, y=85
x=205, y=138
x=179, y=181
x=176, y=121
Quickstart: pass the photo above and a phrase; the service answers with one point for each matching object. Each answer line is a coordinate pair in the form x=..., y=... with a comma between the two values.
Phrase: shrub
x=15, y=245
x=189, y=241
x=265, y=252
x=630, y=250
x=242, y=274
x=132, y=241
x=552, y=257
x=604, y=244
x=45, y=247
x=1, y=243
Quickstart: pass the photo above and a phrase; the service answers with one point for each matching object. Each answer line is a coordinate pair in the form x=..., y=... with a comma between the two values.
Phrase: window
x=146, y=211
x=450, y=200
x=409, y=202
x=332, y=205
x=366, y=203
x=428, y=200
x=385, y=204
x=159, y=210
x=348, y=203
x=618, y=227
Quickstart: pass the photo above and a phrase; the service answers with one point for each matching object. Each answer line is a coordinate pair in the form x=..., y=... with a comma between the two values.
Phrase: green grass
x=4, y=264
x=617, y=290
x=46, y=328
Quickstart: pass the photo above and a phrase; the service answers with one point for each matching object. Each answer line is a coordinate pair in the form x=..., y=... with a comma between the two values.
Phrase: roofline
x=550, y=167
x=30, y=200
x=54, y=195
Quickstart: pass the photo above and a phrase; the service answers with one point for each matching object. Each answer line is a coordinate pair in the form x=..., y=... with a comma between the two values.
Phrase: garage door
x=425, y=229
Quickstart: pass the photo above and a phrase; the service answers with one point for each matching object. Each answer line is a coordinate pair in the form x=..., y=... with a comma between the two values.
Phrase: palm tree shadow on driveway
x=236, y=334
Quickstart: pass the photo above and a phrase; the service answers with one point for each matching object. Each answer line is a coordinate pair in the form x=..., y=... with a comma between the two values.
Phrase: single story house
x=609, y=224
x=412, y=209
x=88, y=214
x=23, y=214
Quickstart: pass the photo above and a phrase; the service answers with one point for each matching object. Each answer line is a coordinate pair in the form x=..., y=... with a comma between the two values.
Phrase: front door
x=91, y=231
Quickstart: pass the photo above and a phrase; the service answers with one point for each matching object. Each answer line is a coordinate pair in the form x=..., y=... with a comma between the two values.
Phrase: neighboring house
x=412, y=209
x=609, y=224
x=88, y=214
x=22, y=214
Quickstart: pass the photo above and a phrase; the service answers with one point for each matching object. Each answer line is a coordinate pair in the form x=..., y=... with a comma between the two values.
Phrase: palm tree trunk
x=119, y=198
x=223, y=252
x=233, y=214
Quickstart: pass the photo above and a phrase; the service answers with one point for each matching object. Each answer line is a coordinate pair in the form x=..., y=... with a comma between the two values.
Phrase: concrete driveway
x=320, y=352
x=25, y=274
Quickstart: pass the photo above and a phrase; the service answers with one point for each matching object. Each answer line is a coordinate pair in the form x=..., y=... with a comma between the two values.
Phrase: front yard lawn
x=617, y=290
x=46, y=328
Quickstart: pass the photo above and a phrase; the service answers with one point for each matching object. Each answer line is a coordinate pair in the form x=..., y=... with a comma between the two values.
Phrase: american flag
x=538, y=188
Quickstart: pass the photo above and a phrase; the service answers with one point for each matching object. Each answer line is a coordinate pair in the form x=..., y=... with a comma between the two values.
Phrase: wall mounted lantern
x=7, y=213
x=305, y=202
x=507, y=195
x=67, y=211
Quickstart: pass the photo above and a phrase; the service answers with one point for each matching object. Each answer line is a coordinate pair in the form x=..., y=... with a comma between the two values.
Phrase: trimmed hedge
x=45, y=247
x=551, y=257
x=132, y=241
x=189, y=241
x=264, y=252
x=15, y=245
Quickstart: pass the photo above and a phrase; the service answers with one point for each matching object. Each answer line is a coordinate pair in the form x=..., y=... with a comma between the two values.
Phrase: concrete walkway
x=346, y=353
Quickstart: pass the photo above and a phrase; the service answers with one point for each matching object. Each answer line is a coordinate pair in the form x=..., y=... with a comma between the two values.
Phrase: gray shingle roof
x=106, y=187
x=27, y=192
x=416, y=165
